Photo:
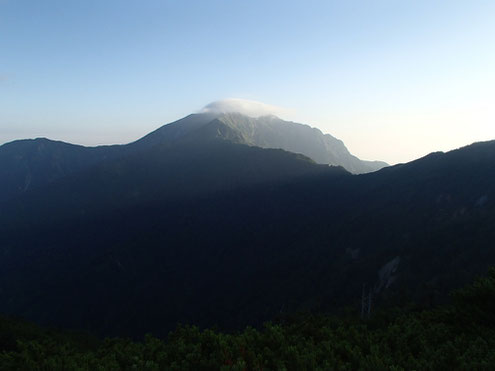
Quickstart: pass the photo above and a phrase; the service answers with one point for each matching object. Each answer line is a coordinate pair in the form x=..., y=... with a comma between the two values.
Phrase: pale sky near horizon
x=393, y=79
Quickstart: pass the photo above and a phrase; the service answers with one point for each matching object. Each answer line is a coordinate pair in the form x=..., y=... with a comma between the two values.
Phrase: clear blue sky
x=393, y=79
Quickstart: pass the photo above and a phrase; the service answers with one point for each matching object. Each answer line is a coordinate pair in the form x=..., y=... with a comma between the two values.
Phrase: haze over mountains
x=223, y=218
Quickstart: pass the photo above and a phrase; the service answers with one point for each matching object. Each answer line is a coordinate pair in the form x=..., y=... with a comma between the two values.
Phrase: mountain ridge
x=30, y=163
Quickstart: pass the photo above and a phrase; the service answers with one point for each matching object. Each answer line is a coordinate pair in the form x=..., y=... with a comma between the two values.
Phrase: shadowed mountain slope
x=241, y=255
x=186, y=169
x=28, y=164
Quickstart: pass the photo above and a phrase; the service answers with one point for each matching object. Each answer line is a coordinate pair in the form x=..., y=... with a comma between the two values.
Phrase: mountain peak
x=243, y=106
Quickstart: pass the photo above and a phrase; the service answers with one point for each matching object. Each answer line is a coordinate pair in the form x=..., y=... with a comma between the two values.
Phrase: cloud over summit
x=243, y=106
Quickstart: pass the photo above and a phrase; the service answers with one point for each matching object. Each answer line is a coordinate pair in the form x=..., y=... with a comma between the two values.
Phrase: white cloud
x=245, y=107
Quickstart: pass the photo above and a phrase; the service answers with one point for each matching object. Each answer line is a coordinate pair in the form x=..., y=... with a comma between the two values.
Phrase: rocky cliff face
x=272, y=132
